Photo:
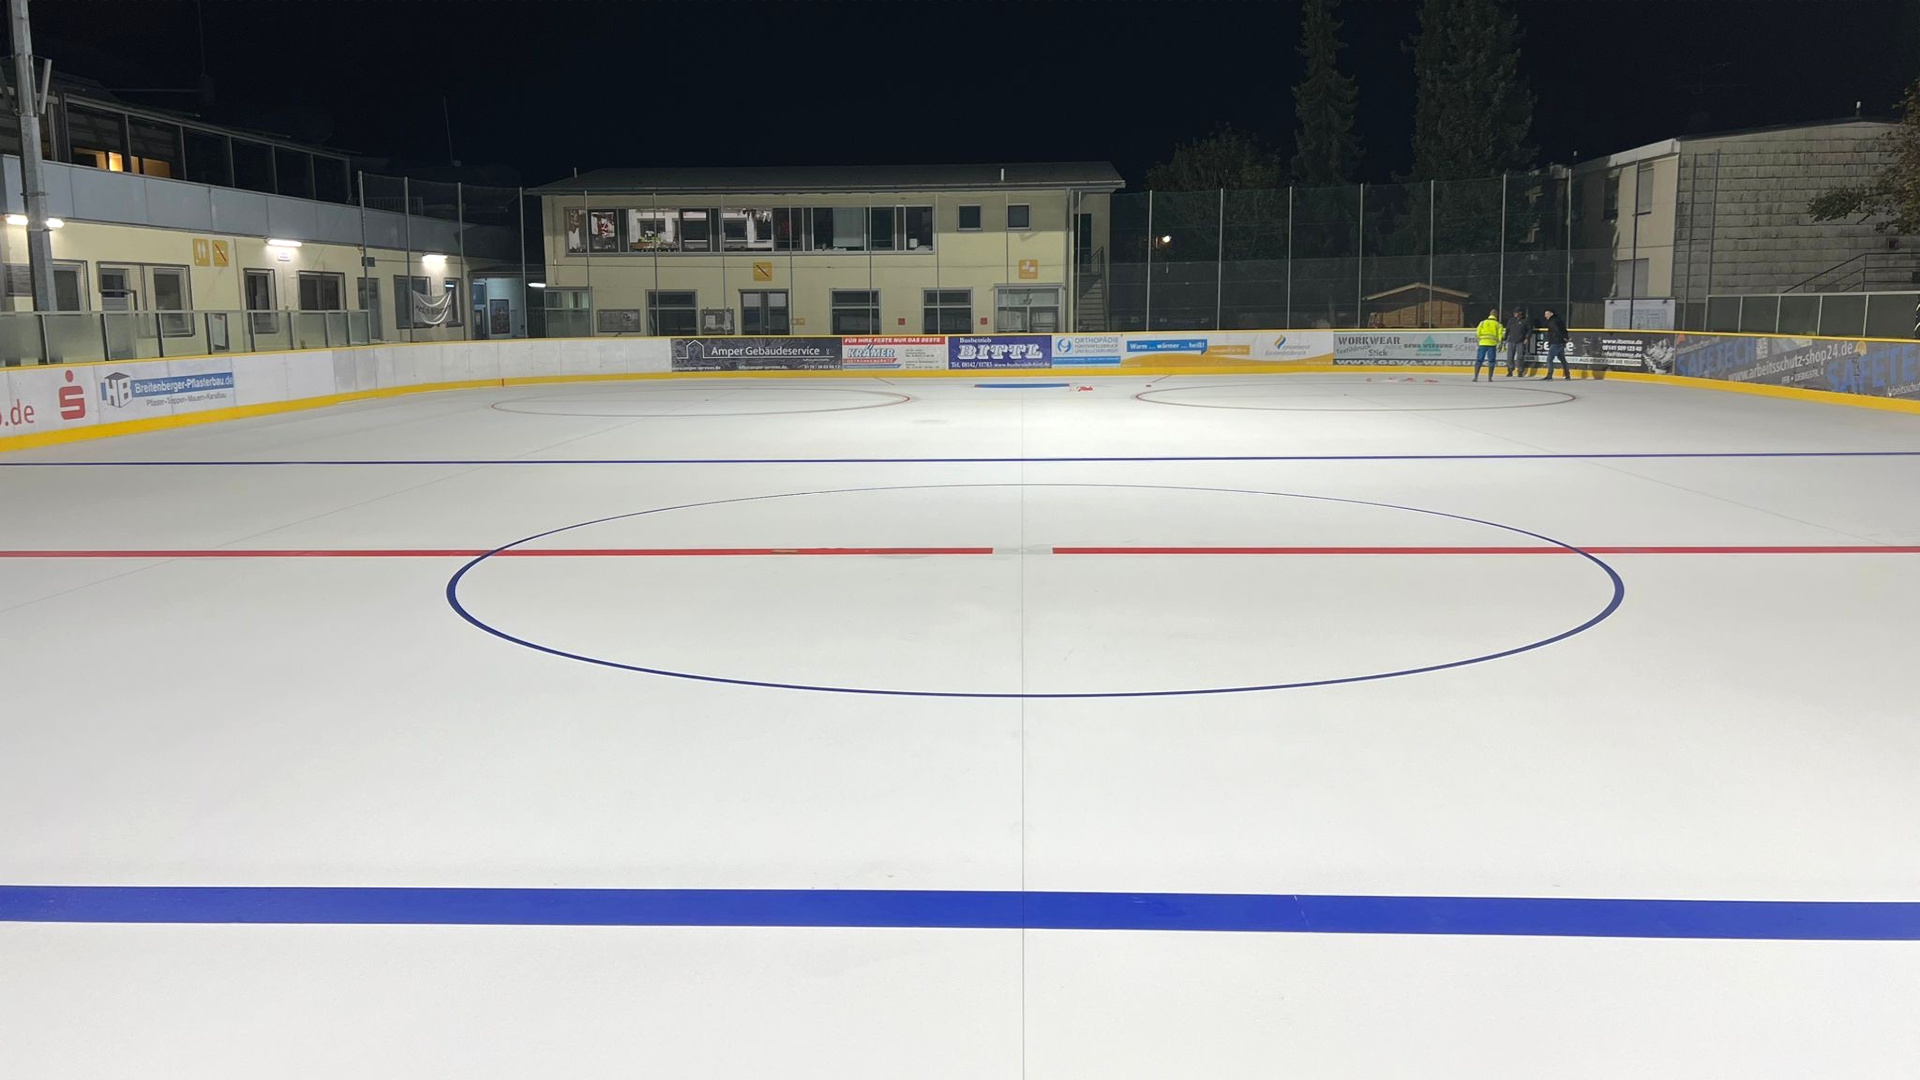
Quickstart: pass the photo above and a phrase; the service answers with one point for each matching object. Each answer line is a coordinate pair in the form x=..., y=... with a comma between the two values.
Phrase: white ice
x=1743, y=727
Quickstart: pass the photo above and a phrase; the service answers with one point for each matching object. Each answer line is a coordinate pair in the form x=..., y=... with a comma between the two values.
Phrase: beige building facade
x=882, y=250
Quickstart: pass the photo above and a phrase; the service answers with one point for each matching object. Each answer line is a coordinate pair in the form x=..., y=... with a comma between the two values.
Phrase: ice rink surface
x=1193, y=727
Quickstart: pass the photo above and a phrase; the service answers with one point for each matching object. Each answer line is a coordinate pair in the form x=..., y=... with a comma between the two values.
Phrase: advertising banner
x=894, y=353
x=1413, y=348
x=1848, y=366
x=47, y=399
x=756, y=354
x=144, y=390
x=996, y=353
x=1087, y=350
x=208, y=384
x=1616, y=350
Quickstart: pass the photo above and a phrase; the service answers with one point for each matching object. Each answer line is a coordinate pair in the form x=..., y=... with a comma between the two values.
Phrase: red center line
x=1748, y=549
x=468, y=553
x=568, y=553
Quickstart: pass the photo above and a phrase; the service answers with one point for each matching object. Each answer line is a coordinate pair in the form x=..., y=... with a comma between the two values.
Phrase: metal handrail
x=53, y=337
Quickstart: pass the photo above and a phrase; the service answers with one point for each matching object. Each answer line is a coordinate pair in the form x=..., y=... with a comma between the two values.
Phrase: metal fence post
x=1430, y=260
x=46, y=347
x=1289, y=256
x=1360, y=261
x=526, y=293
x=1220, y=259
x=1151, y=240
x=366, y=291
x=461, y=303
x=1567, y=316
x=1500, y=295
x=406, y=271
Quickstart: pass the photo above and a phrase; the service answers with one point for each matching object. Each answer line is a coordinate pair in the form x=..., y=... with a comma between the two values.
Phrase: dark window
x=403, y=313
x=672, y=313
x=880, y=227
x=947, y=311
x=919, y=227
x=1019, y=216
x=207, y=158
x=696, y=230
x=969, y=217
x=1643, y=188
x=69, y=288
x=856, y=311
x=252, y=166
x=763, y=311
x=1613, y=195
x=331, y=182
x=294, y=172
x=790, y=228
x=260, y=301
x=839, y=228
x=324, y=292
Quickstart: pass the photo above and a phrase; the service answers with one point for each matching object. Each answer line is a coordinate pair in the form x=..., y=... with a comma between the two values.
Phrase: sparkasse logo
x=73, y=400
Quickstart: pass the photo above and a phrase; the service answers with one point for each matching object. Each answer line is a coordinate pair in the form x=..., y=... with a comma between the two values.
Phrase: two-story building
x=942, y=249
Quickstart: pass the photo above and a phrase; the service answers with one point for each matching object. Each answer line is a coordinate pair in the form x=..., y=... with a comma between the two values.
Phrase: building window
x=1612, y=196
x=969, y=219
x=293, y=171
x=1019, y=216
x=764, y=311
x=651, y=230
x=856, y=311
x=839, y=228
x=260, y=300
x=696, y=230
x=1027, y=310
x=744, y=229
x=947, y=311
x=919, y=228
x=69, y=287
x=327, y=292
x=156, y=149
x=568, y=312
x=252, y=166
x=207, y=158
x=331, y=182
x=604, y=234
x=1643, y=188
x=96, y=139
x=671, y=314
x=119, y=288
x=172, y=293
x=790, y=228
x=881, y=226
x=1630, y=277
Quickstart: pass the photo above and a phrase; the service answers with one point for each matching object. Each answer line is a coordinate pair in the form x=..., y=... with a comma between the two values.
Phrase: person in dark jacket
x=1557, y=346
x=1519, y=340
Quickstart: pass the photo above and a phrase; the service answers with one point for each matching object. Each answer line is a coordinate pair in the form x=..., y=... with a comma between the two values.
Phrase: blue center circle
x=1617, y=595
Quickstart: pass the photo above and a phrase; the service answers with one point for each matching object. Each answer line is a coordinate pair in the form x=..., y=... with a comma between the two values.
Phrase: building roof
x=795, y=179
x=1422, y=288
x=1672, y=146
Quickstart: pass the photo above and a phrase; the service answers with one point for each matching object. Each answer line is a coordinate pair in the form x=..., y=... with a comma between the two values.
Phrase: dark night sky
x=543, y=86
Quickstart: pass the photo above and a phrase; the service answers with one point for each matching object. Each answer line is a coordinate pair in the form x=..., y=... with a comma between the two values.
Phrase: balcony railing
x=74, y=337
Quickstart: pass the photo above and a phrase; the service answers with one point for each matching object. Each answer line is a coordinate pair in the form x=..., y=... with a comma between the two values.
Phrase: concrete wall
x=1743, y=201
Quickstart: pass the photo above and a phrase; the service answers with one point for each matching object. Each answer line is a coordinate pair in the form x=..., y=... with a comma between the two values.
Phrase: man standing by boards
x=1489, y=334
x=1556, y=346
x=1519, y=340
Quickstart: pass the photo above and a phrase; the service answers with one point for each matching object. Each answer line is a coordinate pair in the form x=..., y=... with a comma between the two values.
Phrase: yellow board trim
x=241, y=412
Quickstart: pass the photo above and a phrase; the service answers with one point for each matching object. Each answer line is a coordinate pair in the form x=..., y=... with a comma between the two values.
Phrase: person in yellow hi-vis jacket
x=1491, y=333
